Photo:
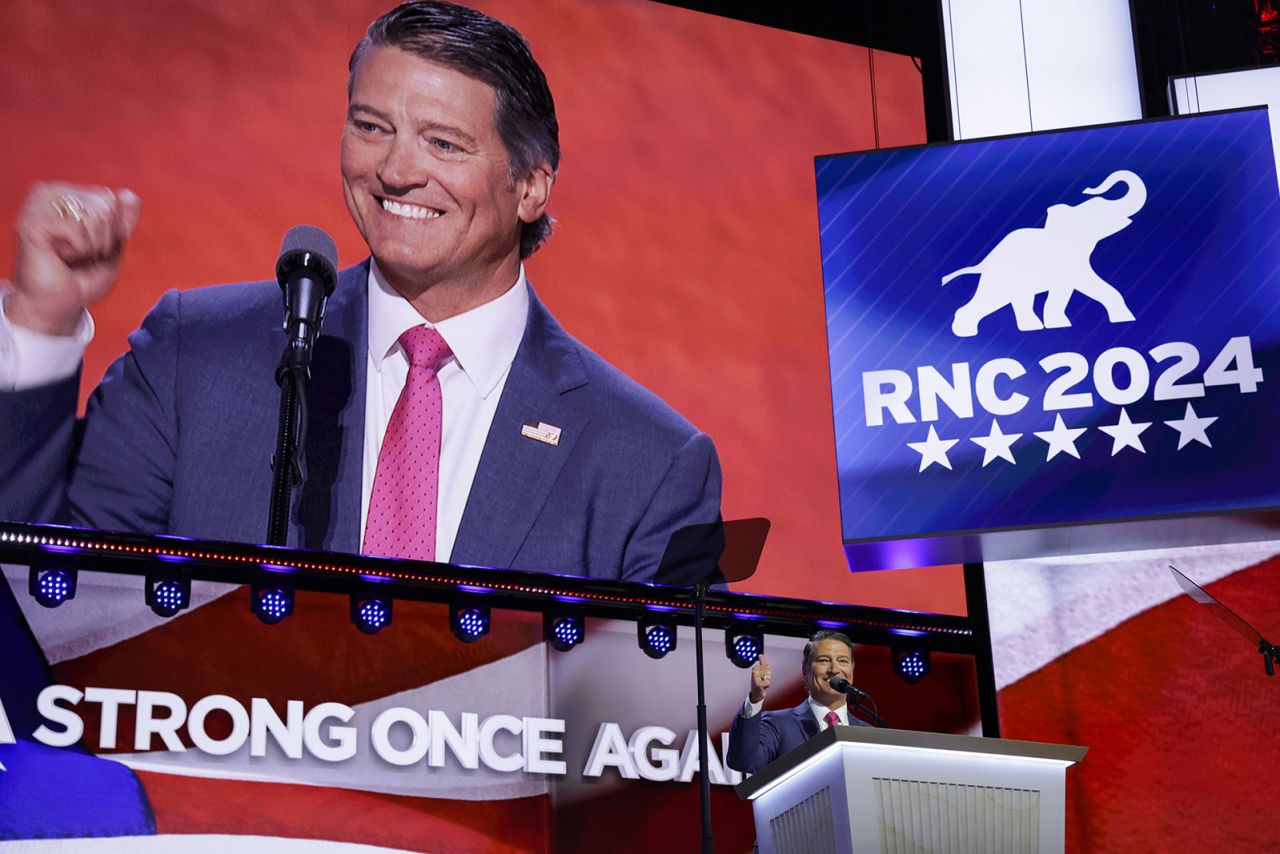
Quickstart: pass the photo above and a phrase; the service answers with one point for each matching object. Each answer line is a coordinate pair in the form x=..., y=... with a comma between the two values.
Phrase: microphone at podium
x=844, y=686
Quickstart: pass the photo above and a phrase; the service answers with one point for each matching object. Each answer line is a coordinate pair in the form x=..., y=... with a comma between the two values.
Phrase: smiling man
x=757, y=738
x=443, y=200
x=452, y=418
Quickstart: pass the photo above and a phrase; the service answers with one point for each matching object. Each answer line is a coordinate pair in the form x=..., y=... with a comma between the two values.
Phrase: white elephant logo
x=1053, y=259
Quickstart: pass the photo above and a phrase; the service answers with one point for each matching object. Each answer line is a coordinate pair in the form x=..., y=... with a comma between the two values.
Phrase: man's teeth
x=409, y=211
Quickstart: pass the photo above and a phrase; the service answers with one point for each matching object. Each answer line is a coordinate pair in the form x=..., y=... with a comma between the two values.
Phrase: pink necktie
x=402, y=508
x=832, y=719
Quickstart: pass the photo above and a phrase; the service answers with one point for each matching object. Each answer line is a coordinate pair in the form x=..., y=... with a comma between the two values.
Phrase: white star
x=996, y=444
x=1061, y=439
x=933, y=450
x=1125, y=433
x=1191, y=427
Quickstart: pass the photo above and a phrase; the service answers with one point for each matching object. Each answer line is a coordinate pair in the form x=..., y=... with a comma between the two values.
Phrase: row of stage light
x=564, y=627
x=469, y=618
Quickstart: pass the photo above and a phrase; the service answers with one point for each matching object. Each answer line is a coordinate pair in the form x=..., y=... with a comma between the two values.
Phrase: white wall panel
x=1225, y=90
x=1025, y=65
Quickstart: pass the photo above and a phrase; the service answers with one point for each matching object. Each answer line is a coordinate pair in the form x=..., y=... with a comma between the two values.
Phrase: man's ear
x=535, y=192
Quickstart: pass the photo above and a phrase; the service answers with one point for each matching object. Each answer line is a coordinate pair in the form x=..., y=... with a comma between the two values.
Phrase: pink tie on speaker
x=402, y=508
x=832, y=719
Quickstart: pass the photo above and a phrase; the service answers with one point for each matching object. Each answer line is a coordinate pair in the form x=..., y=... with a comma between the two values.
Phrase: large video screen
x=685, y=253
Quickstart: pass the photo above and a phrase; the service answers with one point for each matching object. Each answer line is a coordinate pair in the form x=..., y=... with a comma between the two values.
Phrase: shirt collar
x=820, y=712
x=484, y=340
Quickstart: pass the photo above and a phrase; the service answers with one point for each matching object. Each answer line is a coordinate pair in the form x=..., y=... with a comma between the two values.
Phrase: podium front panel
x=894, y=798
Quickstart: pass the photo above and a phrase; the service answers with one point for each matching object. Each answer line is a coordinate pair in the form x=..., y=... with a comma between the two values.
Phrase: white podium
x=856, y=789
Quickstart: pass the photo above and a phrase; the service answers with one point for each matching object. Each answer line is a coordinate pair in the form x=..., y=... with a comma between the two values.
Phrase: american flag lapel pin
x=542, y=432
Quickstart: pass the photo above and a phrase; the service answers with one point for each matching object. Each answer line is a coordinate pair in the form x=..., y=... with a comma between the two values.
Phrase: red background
x=1179, y=718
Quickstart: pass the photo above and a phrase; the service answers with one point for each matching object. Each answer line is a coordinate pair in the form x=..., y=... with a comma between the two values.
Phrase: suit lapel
x=516, y=473
x=328, y=510
x=805, y=720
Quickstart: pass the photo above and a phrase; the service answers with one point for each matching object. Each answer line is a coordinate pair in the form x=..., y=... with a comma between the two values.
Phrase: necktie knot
x=425, y=347
x=832, y=718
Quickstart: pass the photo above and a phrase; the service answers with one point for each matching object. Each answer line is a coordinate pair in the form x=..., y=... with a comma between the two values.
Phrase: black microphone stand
x=1270, y=656
x=293, y=375
x=703, y=556
x=855, y=698
x=1270, y=653
x=306, y=272
x=704, y=736
x=871, y=713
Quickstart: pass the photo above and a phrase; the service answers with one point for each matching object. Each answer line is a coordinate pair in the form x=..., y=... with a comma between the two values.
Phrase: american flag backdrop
x=100, y=789
x=1175, y=707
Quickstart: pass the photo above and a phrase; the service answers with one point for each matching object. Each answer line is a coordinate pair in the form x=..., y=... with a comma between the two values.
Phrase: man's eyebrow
x=356, y=107
x=437, y=127
x=452, y=130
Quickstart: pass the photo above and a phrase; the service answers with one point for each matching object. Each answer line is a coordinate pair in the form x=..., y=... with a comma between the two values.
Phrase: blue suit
x=756, y=741
x=178, y=436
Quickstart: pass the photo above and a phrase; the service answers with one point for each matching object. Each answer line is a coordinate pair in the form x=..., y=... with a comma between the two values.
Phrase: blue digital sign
x=1058, y=329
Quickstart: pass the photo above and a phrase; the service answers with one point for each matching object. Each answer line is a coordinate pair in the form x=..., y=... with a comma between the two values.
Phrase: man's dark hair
x=823, y=635
x=492, y=52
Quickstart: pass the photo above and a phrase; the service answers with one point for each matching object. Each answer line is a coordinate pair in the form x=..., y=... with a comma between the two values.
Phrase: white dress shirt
x=484, y=341
x=750, y=709
x=29, y=359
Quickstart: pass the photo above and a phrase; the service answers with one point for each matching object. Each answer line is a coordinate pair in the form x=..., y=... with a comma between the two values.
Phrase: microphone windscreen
x=308, y=246
x=308, y=238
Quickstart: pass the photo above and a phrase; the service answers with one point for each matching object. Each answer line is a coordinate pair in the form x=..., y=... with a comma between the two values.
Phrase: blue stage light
x=911, y=665
x=167, y=594
x=370, y=613
x=51, y=587
x=469, y=621
x=656, y=635
x=563, y=629
x=743, y=643
x=272, y=603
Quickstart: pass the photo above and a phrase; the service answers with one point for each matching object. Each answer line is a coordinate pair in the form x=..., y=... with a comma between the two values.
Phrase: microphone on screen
x=307, y=272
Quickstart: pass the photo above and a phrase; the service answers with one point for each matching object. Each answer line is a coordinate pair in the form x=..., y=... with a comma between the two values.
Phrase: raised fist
x=70, y=241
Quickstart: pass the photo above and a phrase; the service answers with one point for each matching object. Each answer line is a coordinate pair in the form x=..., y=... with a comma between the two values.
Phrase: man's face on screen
x=827, y=658
x=427, y=179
